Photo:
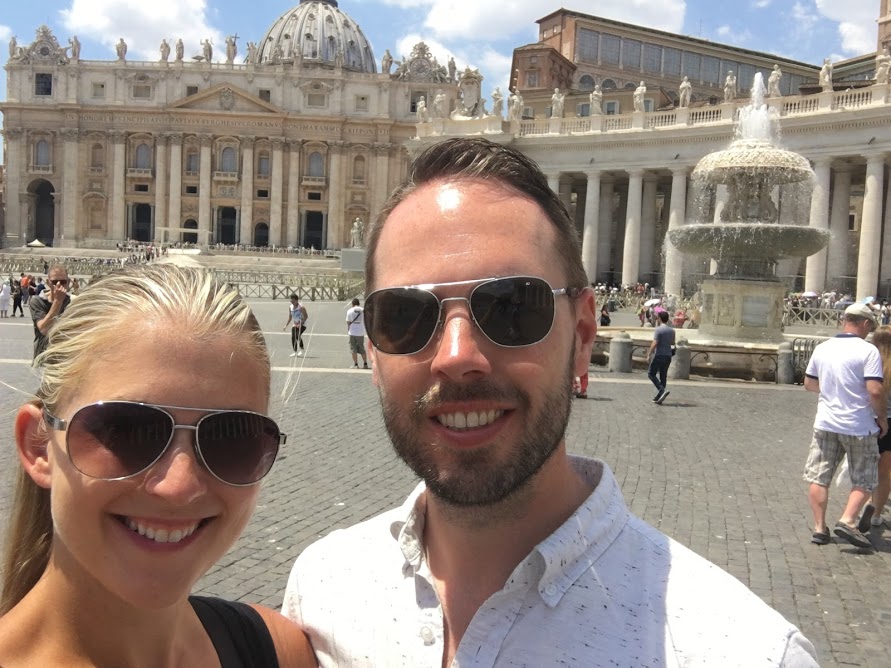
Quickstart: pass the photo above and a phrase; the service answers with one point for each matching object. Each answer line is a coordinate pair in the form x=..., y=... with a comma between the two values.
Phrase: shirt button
x=427, y=635
x=550, y=590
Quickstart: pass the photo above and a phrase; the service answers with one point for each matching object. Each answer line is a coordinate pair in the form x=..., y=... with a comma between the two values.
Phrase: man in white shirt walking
x=356, y=330
x=851, y=416
x=511, y=552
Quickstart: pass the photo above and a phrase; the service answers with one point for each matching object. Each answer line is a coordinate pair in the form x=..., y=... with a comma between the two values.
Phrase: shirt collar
x=561, y=558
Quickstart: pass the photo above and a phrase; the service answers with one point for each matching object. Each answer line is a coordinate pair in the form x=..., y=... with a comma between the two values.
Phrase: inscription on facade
x=227, y=191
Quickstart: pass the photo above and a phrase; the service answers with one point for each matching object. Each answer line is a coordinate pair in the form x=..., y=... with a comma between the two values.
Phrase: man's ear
x=32, y=444
x=585, y=329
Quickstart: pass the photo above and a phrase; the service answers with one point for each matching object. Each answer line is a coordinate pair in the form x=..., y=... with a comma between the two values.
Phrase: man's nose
x=461, y=347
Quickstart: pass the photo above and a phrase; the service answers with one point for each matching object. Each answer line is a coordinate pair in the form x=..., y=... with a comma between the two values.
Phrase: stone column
x=160, y=211
x=71, y=197
x=631, y=247
x=837, y=255
x=117, y=219
x=648, y=227
x=591, y=226
x=815, y=271
x=380, y=176
x=565, y=192
x=245, y=227
x=554, y=182
x=204, y=176
x=885, y=277
x=336, y=196
x=276, y=194
x=871, y=228
x=292, y=228
x=674, y=259
x=174, y=215
x=605, y=224
x=16, y=216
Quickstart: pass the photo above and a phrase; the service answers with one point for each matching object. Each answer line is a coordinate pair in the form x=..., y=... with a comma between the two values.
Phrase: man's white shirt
x=605, y=589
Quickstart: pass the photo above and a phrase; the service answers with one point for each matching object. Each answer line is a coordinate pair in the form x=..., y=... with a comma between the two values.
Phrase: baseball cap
x=862, y=311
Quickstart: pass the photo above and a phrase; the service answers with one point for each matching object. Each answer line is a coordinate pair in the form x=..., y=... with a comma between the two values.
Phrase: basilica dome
x=317, y=31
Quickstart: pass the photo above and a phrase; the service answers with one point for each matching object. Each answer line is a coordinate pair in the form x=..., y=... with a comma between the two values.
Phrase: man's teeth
x=469, y=420
x=162, y=535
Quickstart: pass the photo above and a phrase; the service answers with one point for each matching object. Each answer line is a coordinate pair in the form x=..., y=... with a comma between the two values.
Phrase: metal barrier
x=802, y=349
x=343, y=292
x=800, y=315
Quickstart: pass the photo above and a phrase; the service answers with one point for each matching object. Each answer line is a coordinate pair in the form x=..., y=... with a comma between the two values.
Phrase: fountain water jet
x=742, y=300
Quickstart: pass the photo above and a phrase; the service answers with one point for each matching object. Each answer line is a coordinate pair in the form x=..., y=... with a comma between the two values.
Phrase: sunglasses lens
x=516, y=311
x=114, y=440
x=238, y=447
x=400, y=321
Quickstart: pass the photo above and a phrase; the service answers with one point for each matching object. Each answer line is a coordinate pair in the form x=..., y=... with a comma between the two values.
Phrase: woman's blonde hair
x=881, y=339
x=195, y=305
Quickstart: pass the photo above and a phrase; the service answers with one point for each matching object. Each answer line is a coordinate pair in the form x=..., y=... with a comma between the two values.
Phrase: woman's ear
x=32, y=444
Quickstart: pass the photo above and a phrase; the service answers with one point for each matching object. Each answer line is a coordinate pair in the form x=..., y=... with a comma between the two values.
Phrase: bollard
x=620, y=347
x=680, y=363
x=785, y=371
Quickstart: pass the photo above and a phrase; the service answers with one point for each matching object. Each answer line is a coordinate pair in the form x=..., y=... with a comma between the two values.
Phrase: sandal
x=821, y=538
x=852, y=535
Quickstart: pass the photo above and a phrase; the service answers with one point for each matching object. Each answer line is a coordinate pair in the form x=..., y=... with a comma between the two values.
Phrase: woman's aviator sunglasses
x=513, y=312
x=113, y=440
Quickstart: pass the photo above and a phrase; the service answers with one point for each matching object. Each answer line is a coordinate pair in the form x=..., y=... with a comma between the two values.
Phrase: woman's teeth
x=161, y=535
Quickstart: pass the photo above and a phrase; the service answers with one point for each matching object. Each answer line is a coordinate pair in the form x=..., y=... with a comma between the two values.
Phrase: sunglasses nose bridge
x=177, y=472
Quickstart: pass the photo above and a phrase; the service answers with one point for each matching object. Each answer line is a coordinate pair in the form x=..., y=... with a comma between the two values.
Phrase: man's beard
x=488, y=475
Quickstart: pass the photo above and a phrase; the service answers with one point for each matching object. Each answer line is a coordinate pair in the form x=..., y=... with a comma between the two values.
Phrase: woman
x=872, y=513
x=17, y=299
x=118, y=511
x=605, y=320
x=5, y=298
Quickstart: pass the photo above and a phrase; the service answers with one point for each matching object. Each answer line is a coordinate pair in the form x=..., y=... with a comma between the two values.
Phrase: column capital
x=161, y=138
x=69, y=134
x=117, y=136
x=294, y=144
x=277, y=143
x=635, y=173
x=381, y=148
x=246, y=141
x=13, y=133
x=205, y=139
x=593, y=174
x=176, y=138
x=823, y=161
x=875, y=158
x=336, y=144
x=681, y=170
x=842, y=166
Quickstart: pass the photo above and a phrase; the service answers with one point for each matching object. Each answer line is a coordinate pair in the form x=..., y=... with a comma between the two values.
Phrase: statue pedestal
x=554, y=125
x=735, y=310
x=352, y=259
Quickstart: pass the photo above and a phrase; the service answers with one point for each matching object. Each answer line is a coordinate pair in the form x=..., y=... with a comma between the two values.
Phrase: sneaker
x=364, y=366
x=656, y=398
x=354, y=366
x=877, y=520
x=293, y=355
x=299, y=353
x=662, y=396
x=866, y=518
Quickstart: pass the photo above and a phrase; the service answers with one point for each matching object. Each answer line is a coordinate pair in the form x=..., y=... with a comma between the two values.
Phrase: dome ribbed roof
x=315, y=30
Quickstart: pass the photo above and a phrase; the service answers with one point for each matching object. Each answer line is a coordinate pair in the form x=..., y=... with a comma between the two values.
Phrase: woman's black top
x=237, y=632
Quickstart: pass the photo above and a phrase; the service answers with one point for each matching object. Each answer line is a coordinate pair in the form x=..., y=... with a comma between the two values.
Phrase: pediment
x=225, y=97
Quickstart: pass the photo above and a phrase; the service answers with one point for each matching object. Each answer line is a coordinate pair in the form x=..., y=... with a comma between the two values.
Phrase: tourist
x=25, y=282
x=852, y=412
x=510, y=552
x=605, y=319
x=5, y=298
x=297, y=319
x=17, y=299
x=659, y=356
x=47, y=308
x=356, y=331
x=872, y=511
x=118, y=512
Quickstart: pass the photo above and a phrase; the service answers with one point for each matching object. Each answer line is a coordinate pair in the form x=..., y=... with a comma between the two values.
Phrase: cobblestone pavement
x=717, y=467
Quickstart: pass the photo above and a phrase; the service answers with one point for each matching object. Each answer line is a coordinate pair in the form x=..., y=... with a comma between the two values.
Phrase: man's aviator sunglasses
x=513, y=312
x=114, y=440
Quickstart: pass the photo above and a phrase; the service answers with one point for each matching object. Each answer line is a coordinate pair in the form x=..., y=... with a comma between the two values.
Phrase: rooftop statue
x=231, y=49
x=452, y=69
x=13, y=48
x=165, y=51
x=386, y=62
x=75, y=47
x=497, y=103
x=639, y=93
x=180, y=49
x=421, y=110
x=730, y=87
x=207, y=48
x=121, y=48
x=773, y=82
x=515, y=106
x=883, y=66
x=826, y=75
x=685, y=93
x=439, y=105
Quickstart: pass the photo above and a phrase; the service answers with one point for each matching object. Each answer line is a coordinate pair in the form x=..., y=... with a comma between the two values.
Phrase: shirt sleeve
x=873, y=368
x=812, y=366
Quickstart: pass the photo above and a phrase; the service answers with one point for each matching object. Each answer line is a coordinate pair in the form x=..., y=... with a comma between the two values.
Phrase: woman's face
x=94, y=537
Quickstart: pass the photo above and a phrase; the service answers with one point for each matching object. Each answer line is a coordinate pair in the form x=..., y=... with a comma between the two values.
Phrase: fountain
x=742, y=299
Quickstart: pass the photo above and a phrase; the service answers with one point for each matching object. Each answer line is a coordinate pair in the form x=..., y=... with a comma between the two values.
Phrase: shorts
x=885, y=443
x=827, y=450
x=357, y=344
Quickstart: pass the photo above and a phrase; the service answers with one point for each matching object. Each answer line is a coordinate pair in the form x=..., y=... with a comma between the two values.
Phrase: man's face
x=473, y=419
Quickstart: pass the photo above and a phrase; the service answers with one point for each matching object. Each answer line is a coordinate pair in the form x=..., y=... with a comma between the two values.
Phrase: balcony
x=40, y=169
x=314, y=180
x=225, y=176
x=139, y=172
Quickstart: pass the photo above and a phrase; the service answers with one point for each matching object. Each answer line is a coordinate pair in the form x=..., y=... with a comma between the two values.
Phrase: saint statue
x=826, y=75
x=497, y=103
x=639, y=93
x=252, y=53
x=179, y=50
x=883, y=66
x=439, y=104
x=515, y=106
x=596, y=99
x=75, y=47
x=231, y=49
x=357, y=233
x=13, y=47
x=421, y=110
x=773, y=82
x=730, y=87
x=207, y=47
x=557, y=103
x=452, y=69
x=685, y=93
x=386, y=62
x=121, y=48
x=165, y=51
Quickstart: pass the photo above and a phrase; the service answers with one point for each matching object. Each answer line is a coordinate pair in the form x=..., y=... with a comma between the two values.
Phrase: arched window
x=586, y=82
x=42, y=153
x=310, y=48
x=607, y=84
x=630, y=86
x=359, y=169
x=227, y=160
x=263, y=165
x=332, y=48
x=316, y=164
x=96, y=156
x=143, y=157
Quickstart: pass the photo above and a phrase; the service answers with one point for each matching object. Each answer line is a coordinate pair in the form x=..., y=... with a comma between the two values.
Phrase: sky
x=478, y=33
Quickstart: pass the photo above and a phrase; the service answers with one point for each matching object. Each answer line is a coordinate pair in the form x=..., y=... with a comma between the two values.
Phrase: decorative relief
x=227, y=99
x=13, y=133
x=277, y=142
x=176, y=138
x=69, y=134
x=227, y=191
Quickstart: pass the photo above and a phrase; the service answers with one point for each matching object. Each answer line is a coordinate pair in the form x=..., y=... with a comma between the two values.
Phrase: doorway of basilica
x=227, y=229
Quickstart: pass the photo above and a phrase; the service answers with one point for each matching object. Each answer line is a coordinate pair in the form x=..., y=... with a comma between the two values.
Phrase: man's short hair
x=663, y=316
x=56, y=267
x=294, y=296
x=476, y=158
x=355, y=302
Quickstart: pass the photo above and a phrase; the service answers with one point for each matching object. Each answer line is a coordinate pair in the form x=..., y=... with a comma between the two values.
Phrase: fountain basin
x=749, y=240
x=753, y=157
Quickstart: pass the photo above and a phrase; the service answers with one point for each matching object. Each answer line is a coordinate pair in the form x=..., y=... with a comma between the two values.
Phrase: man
x=356, y=331
x=47, y=305
x=510, y=552
x=25, y=282
x=851, y=416
x=297, y=318
x=659, y=356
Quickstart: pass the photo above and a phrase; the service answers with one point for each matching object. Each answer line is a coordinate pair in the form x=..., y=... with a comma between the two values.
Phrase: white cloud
x=143, y=25
x=724, y=31
x=856, y=21
x=761, y=4
x=5, y=33
x=482, y=21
